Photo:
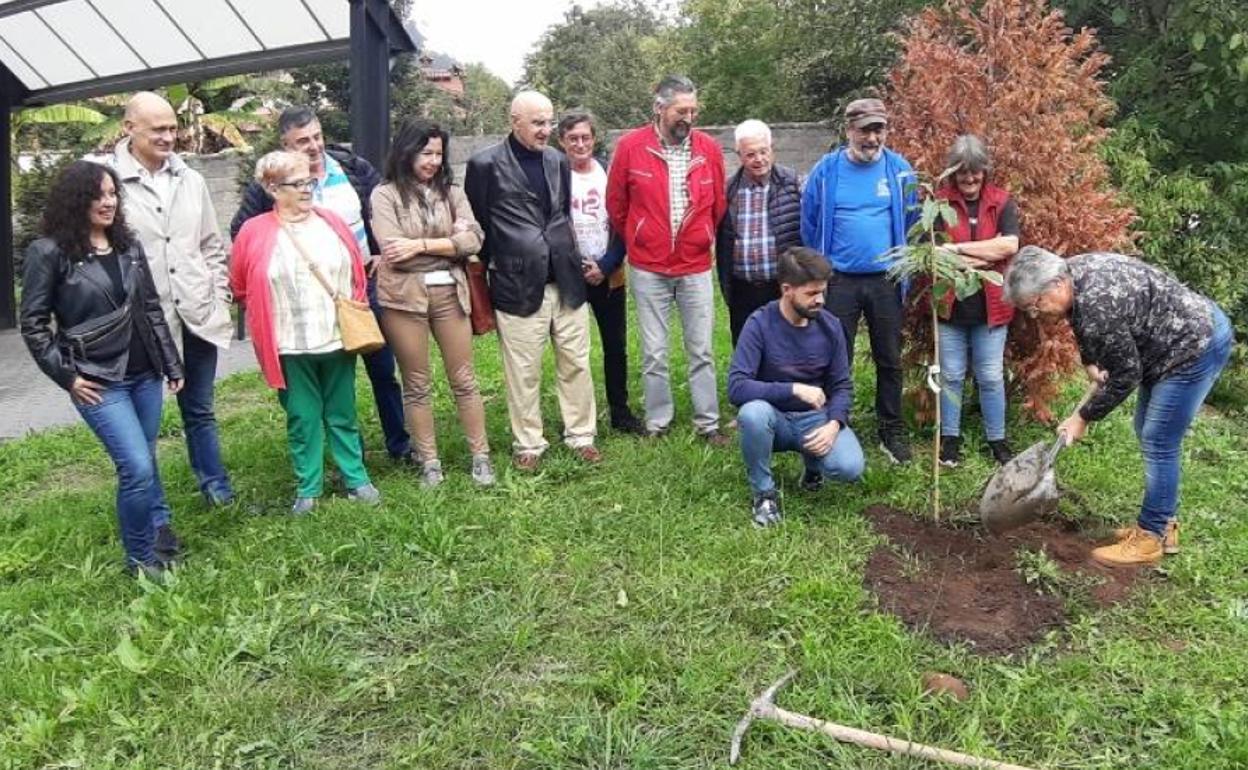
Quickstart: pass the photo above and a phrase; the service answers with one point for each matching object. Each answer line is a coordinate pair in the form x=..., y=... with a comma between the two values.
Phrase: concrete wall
x=797, y=145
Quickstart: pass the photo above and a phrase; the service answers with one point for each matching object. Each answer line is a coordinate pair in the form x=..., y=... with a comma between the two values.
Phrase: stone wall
x=221, y=172
x=797, y=145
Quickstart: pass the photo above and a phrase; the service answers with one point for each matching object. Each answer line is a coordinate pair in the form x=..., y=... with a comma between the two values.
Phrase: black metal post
x=370, y=79
x=8, y=283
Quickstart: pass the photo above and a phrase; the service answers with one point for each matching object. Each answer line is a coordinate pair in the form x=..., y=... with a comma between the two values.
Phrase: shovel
x=1026, y=486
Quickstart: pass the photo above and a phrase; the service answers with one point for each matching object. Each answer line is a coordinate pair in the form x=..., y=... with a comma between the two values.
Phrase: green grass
x=621, y=616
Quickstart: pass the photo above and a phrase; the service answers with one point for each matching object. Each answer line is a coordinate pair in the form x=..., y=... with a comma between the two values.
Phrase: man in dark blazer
x=519, y=191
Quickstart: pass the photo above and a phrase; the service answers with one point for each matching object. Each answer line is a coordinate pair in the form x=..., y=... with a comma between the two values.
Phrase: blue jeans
x=203, y=446
x=766, y=430
x=126, y=422
x=1163, y=413
x=386, y=391
x=987, y=348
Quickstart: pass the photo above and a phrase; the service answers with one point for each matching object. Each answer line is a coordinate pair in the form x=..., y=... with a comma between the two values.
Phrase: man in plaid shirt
x=762, y=221
x=665, y=197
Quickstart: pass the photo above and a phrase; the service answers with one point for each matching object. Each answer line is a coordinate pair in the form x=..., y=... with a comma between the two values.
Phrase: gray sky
x=497, y=33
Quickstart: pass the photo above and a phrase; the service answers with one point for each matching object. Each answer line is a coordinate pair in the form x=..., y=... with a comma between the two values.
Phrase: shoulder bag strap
x=316, y=271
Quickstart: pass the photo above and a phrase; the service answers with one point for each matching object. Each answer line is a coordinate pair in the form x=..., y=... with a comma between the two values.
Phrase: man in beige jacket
x=167, y=204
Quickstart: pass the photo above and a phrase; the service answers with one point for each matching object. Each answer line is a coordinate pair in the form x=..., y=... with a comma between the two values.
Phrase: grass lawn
x=621, y=616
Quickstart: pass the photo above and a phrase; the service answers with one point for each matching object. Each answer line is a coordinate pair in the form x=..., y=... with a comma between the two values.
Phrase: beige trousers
x=408, y=335
x=523, y=342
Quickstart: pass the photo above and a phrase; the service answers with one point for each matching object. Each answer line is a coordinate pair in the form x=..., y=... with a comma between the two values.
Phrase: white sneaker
x=482, y=470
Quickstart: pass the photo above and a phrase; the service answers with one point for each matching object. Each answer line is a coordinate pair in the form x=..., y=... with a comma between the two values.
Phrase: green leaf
x=1198, y=40
x=1119, y=16
x=1236, y=41
x=941, y=287
x=131, y=657
x=966, y=284
x=992, y=277
x=949, y=214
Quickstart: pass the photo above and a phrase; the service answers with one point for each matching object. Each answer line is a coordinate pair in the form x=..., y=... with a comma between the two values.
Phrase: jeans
x=199, y=421
x=386, y=391
x=126, y=422
x=1163, y=413
x=611, y=314
x=852, y=296
x=746, y=297
x=766, y=430
x=694, y=297
x=987, y=347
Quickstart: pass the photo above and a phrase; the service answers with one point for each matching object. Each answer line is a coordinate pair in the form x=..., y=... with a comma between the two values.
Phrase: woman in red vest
x=986, y=236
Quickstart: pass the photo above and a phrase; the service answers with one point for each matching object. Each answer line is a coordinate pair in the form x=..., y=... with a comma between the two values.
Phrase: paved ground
x=30, y=402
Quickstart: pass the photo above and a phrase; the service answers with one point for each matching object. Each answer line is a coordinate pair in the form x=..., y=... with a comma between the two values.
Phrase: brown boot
x=1139, y=547
x=1169, y=544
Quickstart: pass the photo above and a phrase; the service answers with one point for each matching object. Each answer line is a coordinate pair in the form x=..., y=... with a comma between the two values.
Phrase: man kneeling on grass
x=790, y=380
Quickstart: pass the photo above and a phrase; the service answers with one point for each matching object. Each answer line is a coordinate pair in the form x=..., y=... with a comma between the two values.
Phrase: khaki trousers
x=523, y=342
x=408, y=334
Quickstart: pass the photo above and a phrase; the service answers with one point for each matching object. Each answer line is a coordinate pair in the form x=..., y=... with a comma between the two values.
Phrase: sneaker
x=766, y=510
x=588, y=454
x=168, y=545
x=895, y=447
x=526, y=461
x=812, y=481
x=367, y=494
x=1139, y=547
x=627, y=422
x=716, y=438
x=657, y=433
x=302, y=506
x=483, y=470
x=1001, y=451
x=1169, y=543
x=219, y=499
x=431, y=473
x=950, y=451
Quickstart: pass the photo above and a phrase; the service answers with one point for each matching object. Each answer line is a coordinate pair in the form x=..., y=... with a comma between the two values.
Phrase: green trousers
x=320, y=395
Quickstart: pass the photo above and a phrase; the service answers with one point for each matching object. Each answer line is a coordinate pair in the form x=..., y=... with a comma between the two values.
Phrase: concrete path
x=30, y=402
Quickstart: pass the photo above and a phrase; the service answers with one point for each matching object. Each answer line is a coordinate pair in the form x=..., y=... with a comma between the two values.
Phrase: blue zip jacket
x=819, y=205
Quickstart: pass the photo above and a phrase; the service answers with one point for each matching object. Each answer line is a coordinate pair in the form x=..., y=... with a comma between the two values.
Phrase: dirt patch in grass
x=964, y=585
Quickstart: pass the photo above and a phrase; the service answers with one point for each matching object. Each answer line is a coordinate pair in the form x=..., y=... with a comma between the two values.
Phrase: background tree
x=1012, y=72
x=606, y=58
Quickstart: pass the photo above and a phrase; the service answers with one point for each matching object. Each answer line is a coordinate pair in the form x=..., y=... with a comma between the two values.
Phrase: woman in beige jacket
x=426, y=230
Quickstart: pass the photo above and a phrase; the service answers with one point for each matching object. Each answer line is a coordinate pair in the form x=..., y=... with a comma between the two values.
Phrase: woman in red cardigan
x=294, y=326
x=986, y=235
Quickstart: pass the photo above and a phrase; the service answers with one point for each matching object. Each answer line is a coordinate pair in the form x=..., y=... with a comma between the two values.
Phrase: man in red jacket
x=665, y=196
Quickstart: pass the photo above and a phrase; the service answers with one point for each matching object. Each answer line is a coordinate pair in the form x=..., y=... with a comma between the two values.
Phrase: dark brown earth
x=961, y=585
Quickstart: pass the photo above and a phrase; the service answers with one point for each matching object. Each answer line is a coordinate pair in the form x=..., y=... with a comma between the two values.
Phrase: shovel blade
x=1022, y=489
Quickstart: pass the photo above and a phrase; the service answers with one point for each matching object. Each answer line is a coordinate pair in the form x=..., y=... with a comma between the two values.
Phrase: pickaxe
x=764, y=707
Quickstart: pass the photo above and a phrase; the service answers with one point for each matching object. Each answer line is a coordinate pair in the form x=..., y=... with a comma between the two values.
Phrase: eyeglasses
x=302, y=185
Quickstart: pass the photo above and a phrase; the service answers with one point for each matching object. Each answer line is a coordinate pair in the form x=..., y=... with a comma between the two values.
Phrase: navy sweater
x=772, y=354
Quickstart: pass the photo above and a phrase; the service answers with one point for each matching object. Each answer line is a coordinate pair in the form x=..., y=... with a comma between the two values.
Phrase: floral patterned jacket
x=1136, y=322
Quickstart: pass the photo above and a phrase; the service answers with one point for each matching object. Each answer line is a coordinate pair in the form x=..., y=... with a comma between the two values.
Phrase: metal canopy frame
x=376, y=33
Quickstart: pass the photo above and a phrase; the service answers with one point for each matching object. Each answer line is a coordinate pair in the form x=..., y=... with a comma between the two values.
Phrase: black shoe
x=156, y=572
x=766, y=510
x=812, y=481
x=895, y=446
x=627, y=422
x=950, y=451
x=1001, y=451
x=168, y=545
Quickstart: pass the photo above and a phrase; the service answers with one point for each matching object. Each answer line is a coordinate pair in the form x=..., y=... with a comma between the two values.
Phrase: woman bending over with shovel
x=1136, y=326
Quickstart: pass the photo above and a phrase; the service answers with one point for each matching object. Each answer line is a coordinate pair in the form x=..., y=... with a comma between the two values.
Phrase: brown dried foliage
x=1012, y=72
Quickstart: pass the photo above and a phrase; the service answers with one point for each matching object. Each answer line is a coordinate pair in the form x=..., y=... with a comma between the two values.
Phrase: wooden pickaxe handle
x=881, y=742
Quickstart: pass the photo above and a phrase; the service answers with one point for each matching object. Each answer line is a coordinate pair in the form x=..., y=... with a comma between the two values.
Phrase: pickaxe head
x=762, y=706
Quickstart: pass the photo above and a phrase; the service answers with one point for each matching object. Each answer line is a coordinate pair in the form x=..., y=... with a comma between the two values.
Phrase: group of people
x=132, y=284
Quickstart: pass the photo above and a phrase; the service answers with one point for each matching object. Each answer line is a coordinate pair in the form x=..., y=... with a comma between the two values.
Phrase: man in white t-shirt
x=602, y=257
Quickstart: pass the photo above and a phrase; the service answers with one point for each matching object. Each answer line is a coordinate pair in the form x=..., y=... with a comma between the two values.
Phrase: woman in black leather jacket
x=91, y=318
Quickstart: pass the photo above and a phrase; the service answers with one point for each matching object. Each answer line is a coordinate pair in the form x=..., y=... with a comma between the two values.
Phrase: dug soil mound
x=964, y=585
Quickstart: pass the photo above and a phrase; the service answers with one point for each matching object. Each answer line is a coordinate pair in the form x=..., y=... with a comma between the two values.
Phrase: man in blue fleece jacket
x=790, y=381
x=858, y=203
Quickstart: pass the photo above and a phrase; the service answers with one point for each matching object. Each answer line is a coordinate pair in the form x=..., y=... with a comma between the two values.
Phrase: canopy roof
x=62, y=50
